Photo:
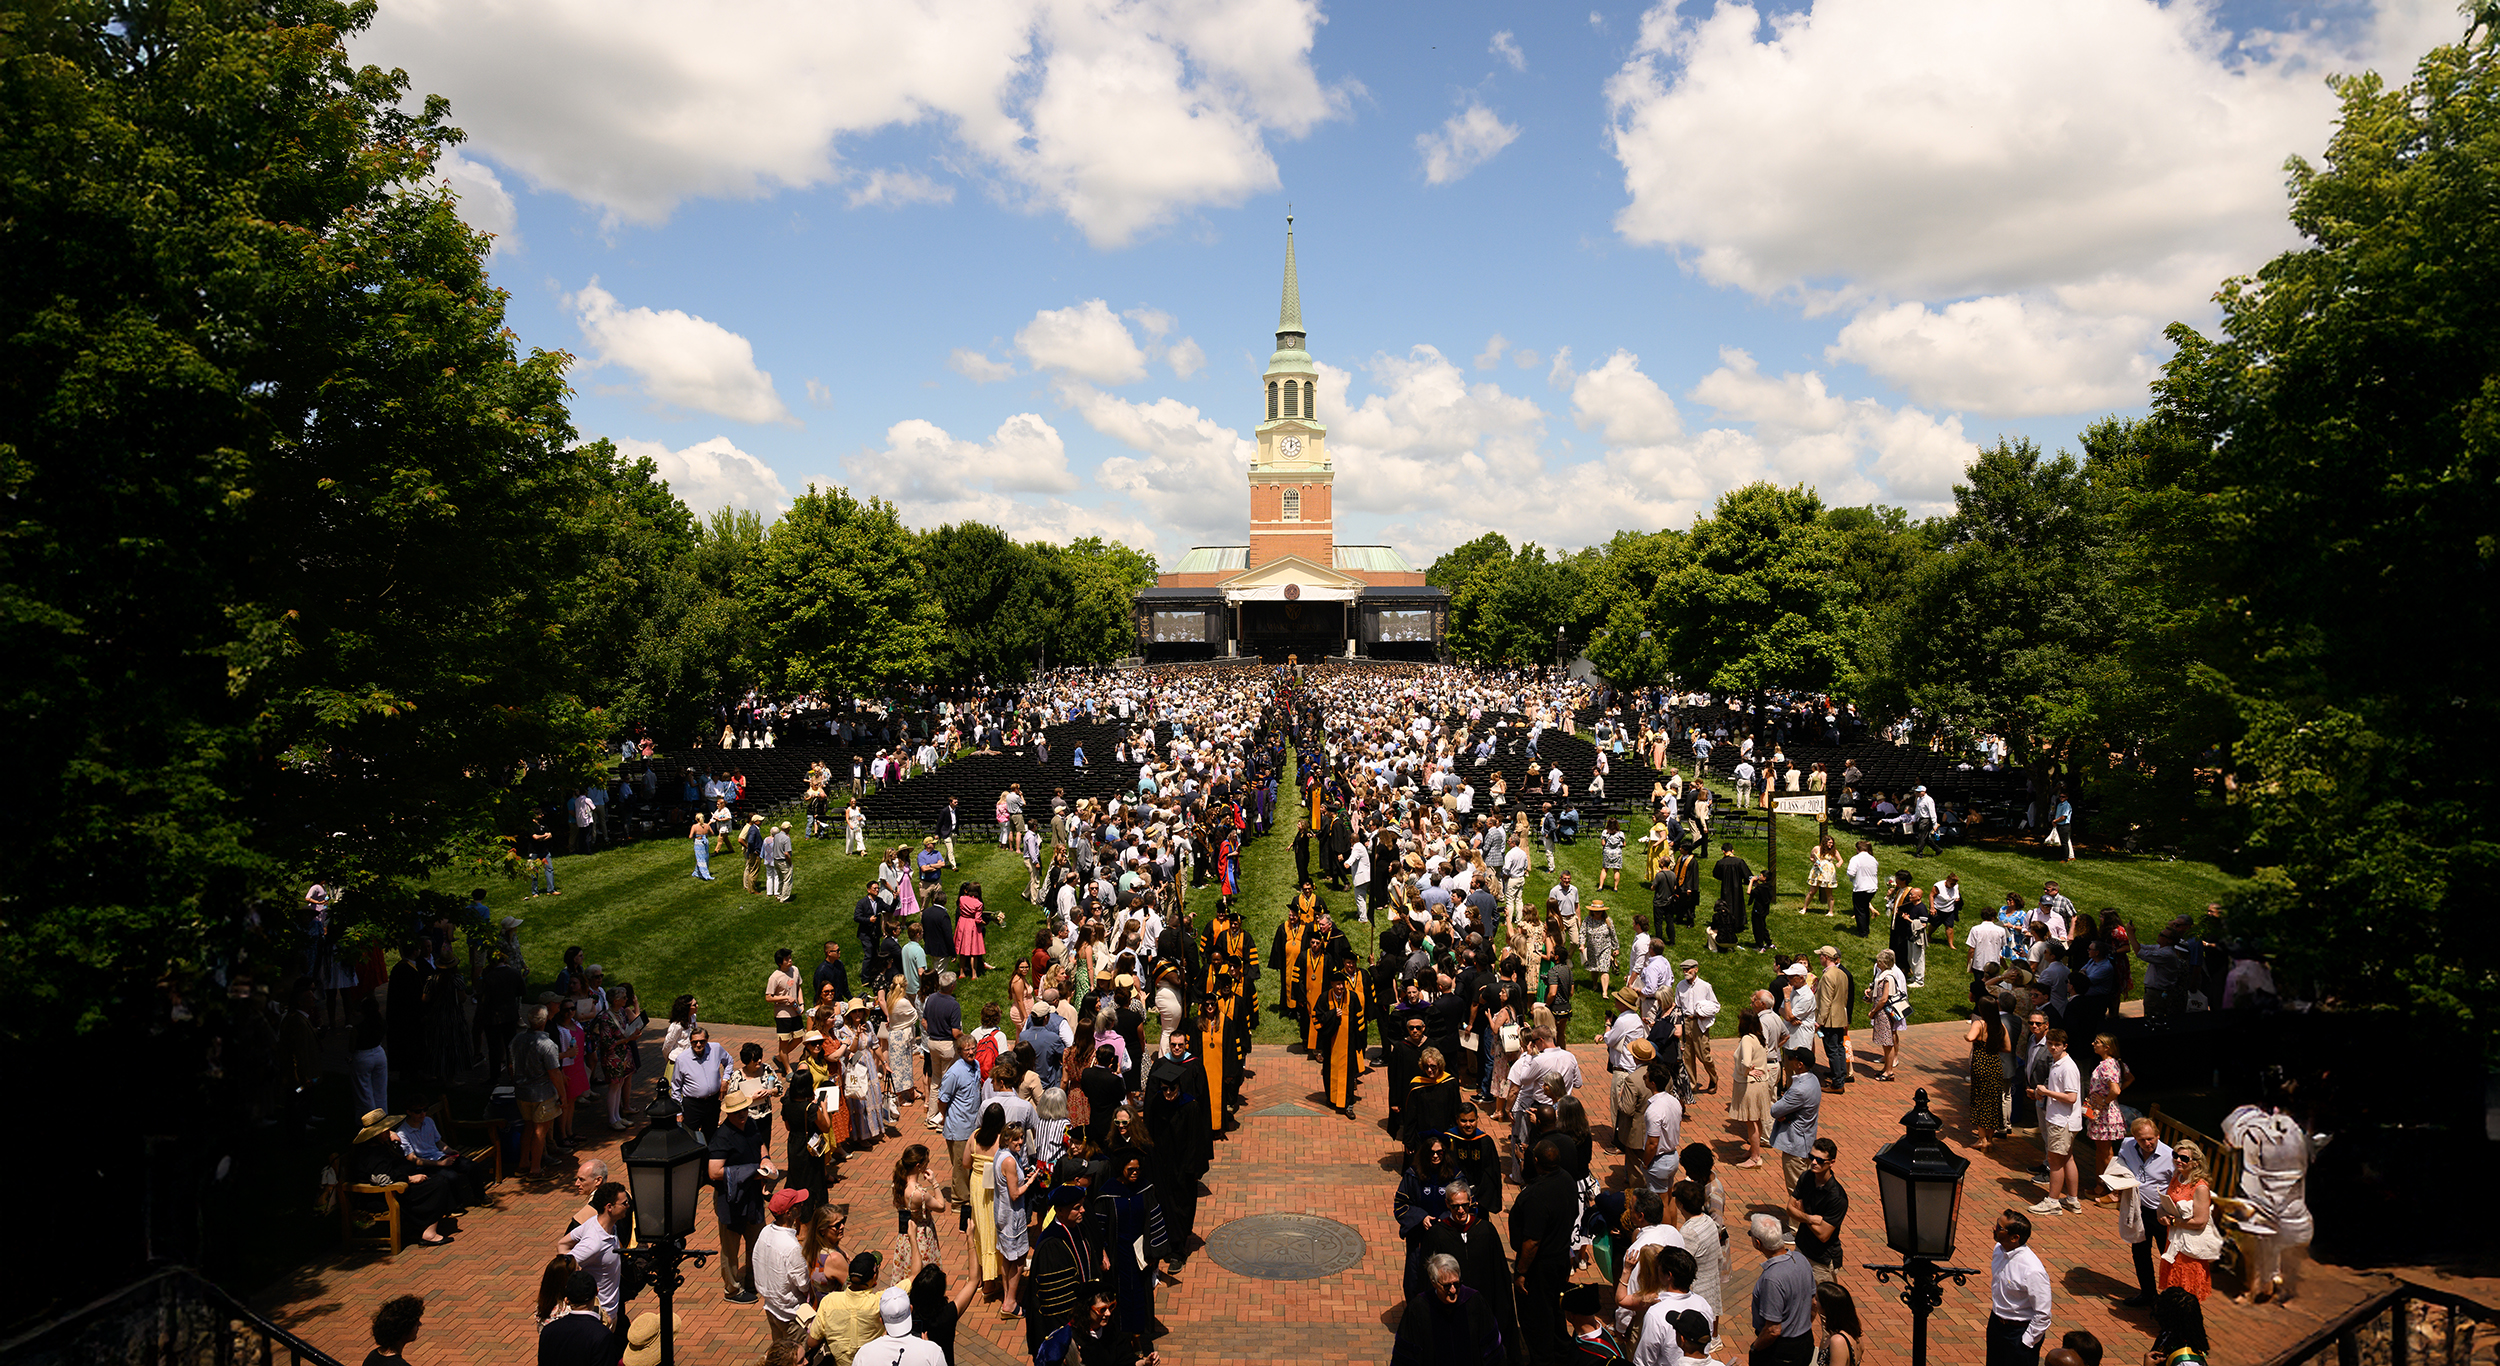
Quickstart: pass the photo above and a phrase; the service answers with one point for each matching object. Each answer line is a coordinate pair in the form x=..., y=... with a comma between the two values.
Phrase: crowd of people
x=1068, y=1139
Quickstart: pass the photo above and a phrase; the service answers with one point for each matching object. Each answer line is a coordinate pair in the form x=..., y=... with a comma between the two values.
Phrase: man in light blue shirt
x=2148, y=1160
x=1796, y=1114
x=959, y=1099
x=915, y=958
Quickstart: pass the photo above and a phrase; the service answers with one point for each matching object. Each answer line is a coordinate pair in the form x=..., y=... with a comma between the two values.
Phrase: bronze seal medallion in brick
x=1285, y=1247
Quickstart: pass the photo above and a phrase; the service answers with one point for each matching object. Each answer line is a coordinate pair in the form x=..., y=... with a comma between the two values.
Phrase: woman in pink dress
x=572, y=1051
x=969, y=943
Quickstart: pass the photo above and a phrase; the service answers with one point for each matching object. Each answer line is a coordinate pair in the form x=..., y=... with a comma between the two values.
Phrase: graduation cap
x=1171, y=1071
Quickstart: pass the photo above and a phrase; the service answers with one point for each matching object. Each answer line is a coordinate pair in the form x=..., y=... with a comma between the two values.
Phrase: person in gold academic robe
x=1227, y=948
x=1286, y=954
x=1327, y=956
x=1341, y=1040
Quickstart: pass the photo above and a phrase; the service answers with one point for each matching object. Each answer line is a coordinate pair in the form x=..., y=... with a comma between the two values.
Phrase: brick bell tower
x=1292, y=483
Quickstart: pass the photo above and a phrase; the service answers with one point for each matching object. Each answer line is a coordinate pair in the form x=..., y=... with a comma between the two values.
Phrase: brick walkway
x=480, y=1292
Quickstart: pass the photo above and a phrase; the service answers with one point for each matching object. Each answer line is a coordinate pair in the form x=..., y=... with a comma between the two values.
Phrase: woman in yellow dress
x=984, y=1152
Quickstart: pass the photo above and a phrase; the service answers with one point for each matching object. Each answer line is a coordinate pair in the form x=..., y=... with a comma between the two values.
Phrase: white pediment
x=1311, y=581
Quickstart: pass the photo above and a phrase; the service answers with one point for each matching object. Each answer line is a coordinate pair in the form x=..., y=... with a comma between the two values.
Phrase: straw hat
x=1643, y=1050
x=642, y=1340
x=377, y=1123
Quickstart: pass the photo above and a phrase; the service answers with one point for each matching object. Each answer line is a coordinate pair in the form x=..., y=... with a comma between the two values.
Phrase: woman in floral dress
x=2104, y=1123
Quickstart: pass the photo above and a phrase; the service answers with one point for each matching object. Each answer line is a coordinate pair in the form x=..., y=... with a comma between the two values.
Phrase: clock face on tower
x=1291, y=447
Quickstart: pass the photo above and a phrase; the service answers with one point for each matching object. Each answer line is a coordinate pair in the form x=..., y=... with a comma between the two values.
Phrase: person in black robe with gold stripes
x=1341, y=1041
x=1285, y=955
x=1327, y=957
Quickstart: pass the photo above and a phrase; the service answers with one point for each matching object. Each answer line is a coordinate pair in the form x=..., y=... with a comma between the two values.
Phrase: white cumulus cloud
x=714, y=474
x=1186, y=357
x=1119, y=114
x=679, y=359
x=1491, y=355
x=892, y=189
x=934, y=478
x=1506, y=47
x=2004, y=354
x=2077, y=175
x=1085, y=340
x=978, y=367
x=1190, y=473
x=484, y=202
x=1464, y=142
x=1624, y=404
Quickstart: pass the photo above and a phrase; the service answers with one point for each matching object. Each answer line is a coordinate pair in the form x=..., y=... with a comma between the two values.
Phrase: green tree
x=1451, y=572
x=996, y=597
x=687, y=653
x=286, y=509
x=1097, y=582
x=1757, y=600
x=1514, y=609
x=630, y=535
x=1617, y=585
x=835, y=600
x=2018, y=624
x=2342, y=481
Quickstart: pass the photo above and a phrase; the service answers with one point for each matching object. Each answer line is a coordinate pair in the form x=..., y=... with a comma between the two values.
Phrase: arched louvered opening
x=1293, y=505
x=1271, y=400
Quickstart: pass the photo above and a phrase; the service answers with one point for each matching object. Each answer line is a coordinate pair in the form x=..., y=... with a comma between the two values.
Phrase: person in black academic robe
x=1420, y=1204
x=1466, y=1232
x=1432, y=1102
x=1124, y=1218
x=1457, y=1331
x=1404, y=1058
x=1062, y=1269
x=1478, y=1157
x=1340, y=1042
x=1176, y=1121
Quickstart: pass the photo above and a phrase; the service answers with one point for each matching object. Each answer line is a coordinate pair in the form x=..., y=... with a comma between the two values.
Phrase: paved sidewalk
x=480, y=1292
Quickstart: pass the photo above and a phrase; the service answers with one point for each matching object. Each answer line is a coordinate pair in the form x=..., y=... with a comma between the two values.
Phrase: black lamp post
x=1920, y=1180
x=665, y=1170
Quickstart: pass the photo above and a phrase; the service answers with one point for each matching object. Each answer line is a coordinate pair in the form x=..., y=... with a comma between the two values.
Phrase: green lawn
x=638, y=912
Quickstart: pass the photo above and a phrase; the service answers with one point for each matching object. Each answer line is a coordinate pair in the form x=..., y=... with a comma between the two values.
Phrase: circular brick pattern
x=1285, y=1247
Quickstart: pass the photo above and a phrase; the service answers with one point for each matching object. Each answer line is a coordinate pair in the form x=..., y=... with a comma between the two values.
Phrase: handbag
x=1510, y=1038
x=2050, y=839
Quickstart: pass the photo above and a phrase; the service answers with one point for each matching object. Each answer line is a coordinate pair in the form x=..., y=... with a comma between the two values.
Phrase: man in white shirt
x=595, y=1248
x=1514, y=875
x=1699, y=1002
x=1923, y=824
x=1987, y=948
x=1863, y=876
x=1358, y=870
x=2056, y=912
x=2018, y=1295
x=781, y=1269
x=1664, y=1121
x=1619, y=1036
x=1797, y=1014
x=2061, y=1115
x=1540, y=1060
x=1658, y=1346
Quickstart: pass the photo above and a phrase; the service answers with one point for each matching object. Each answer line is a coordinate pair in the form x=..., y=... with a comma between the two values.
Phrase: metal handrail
x=174, y=1317
x=2344, y=1335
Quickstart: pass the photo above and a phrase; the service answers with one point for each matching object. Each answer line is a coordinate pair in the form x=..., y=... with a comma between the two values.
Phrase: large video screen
x=1406, y=626
x=1179, y=628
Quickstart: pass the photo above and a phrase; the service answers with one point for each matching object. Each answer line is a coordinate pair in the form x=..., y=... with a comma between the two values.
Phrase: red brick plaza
x=1292, y=1155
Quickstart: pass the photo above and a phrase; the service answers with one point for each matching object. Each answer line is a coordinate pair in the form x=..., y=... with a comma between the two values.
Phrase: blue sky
x=1569, y=270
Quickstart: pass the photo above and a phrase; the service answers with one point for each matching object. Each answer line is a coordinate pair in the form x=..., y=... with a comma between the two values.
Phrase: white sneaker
x=2073, y=1205
x=2048, y=1206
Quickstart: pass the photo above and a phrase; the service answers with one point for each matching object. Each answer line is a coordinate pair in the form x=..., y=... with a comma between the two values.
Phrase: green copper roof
x=1289, y=317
